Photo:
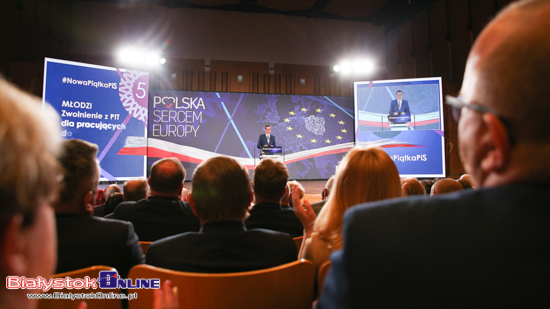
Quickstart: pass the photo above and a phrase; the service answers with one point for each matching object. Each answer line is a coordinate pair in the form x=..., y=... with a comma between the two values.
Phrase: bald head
x=136, y=189
x=507, y=72
x=466, y=181
x=508, y=68
x=445, y=185
x=167, y=176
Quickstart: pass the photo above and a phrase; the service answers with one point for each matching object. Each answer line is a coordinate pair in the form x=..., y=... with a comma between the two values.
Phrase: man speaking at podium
x=399, y=106
x=266, y=140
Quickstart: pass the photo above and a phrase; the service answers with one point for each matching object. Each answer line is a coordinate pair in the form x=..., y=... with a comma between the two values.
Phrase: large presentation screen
x=314, y=131
x=103, y=105
x=404, y=117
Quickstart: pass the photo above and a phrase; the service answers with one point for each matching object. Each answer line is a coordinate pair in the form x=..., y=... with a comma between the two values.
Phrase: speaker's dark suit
x=222, y=247
x=89, y=241
x=263, y=141
x=158, y=217
x=273, y=217
x=473, y=249
x=394, y=108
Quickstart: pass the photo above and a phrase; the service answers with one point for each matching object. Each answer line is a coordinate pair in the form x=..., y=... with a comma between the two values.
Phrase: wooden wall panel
x=422, y=45
x=440, y=43
x=239, y=66
x=7, y=19
x=406, y=48
x=302, y=70
x=460, y=39
x=28, y=76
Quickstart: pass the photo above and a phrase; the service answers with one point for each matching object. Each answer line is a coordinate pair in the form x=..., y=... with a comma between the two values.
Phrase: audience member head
x=30, y=174
x=445, y=185
x=411, y=186
x=136, y=189
x=112, y=202
x=328, y=186
x=506, y=72
x=293, y=184
x=184, y=193
x=285, y=200
x=364, y=175
x=269, y=181
x=427, y=184
x=110, y=190
x=100, y=198
x=167, y=176
x=466, y=181
x=81, y=177
x=221, y=190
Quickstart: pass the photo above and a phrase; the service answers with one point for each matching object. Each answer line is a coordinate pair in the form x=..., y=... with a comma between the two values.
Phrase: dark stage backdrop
x=315, y=131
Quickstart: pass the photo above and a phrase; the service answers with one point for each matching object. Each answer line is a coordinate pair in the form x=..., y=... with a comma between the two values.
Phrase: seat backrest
x=298, y=242
x=288, y=286
x=92, y=272
x=145, y=245
x=321, y=277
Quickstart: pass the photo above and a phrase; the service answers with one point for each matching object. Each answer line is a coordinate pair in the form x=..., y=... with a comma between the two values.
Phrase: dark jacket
x=88, y=241
x=273, y=217
x=222, y=247
x=158, y=217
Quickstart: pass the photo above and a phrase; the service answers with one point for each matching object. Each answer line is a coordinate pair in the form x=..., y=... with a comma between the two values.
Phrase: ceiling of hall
x=378, y=12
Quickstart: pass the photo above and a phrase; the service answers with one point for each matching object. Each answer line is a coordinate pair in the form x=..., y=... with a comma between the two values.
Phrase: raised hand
x=304, y=212
x=166, y=297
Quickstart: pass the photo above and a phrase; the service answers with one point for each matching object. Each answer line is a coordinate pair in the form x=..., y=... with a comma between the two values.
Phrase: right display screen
x=404, y=117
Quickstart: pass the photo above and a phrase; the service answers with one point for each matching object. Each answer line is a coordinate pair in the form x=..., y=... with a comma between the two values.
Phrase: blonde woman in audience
x=365, y=175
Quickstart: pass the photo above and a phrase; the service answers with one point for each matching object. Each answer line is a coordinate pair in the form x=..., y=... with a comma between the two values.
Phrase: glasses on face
x=457, y=105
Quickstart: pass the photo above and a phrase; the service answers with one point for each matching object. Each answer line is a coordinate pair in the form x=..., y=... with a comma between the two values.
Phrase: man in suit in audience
x=269, y=181
x=84, y=240
x=484, y=248
x=317, y=206
x=99, y=211
x=221, y=197
x=162, y=213
x=135, y=190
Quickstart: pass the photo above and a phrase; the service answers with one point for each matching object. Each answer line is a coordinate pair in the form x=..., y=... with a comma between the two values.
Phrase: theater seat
x=322, y=274
x=145, y=245
x=92, y=272
x=298, y=242
x=288, y=286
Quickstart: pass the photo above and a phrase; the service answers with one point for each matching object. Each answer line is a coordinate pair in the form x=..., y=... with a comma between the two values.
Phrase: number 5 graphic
x=140, y=88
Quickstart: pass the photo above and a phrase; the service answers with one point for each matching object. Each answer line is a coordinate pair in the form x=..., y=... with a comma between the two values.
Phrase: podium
x=399, y=122
x=275, y=153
